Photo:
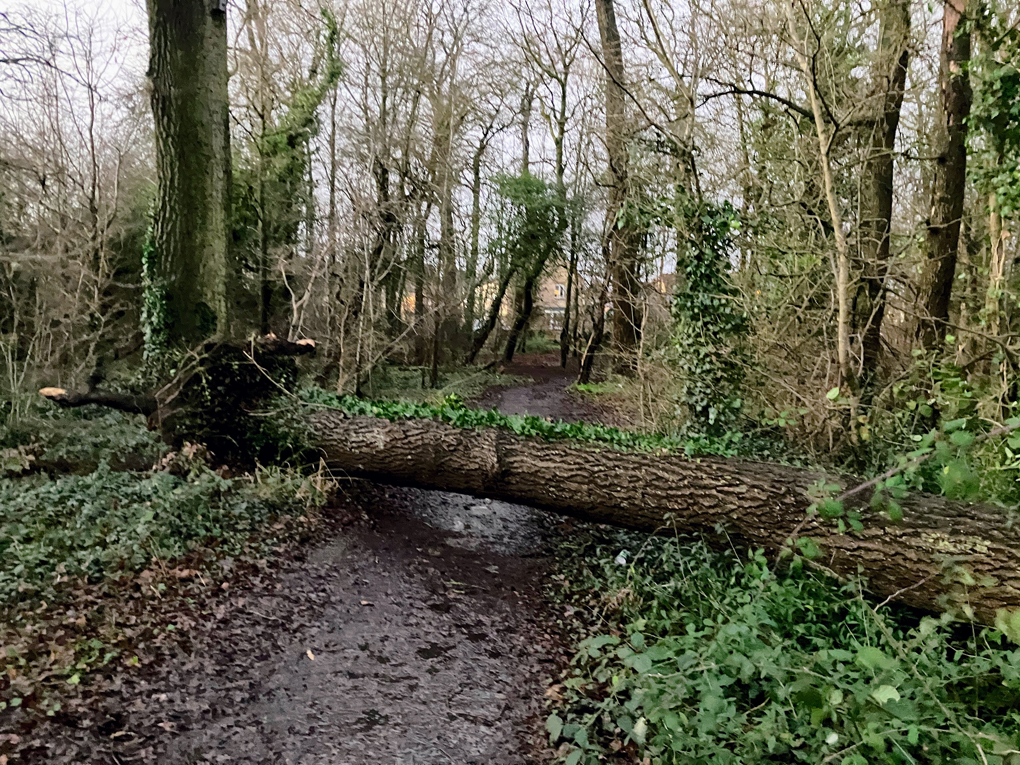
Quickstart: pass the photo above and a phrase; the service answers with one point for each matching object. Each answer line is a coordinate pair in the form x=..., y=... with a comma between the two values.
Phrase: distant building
x=551, y=300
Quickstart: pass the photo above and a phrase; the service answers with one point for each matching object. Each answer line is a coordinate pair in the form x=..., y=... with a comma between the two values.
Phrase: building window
x=560, y=291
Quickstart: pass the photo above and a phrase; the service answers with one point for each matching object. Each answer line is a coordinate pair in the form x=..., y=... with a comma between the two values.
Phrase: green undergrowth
x=110, y=524
x=687, y=656
x=90, y=561
x=410, y=384
x=77, y=437
x=453, y=411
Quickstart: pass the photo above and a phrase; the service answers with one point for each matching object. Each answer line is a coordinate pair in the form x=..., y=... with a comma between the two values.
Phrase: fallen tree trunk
x=942, y=556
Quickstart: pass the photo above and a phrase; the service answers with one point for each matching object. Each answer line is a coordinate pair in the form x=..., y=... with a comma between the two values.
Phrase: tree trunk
x=565, y=330
x=188, y=73
x=920, y=561
x=420, y=232
x=598, y=329
x=997, y=236
x=524, y=312
x=471, y=272
x=482, y=335
x=877, y=196
x=949, y=184
x=623, y=239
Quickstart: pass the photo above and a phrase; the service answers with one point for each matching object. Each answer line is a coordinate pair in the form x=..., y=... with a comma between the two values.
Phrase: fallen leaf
x=553, y=692
x=367, y=603
x=309, y=654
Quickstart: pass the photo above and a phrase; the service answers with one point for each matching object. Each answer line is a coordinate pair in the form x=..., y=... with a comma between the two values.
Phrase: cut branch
x=124, y=402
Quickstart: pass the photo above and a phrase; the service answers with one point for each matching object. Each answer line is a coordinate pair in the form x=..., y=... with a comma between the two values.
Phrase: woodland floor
x=418, y=633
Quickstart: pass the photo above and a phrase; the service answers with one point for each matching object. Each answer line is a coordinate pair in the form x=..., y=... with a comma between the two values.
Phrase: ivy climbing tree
x=708, y=320
x=533, y=237
x=994, y=144
x=272, y=191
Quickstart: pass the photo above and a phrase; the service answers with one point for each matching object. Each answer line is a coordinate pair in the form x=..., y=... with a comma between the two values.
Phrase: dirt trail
x=548, y=396
x=414, y=637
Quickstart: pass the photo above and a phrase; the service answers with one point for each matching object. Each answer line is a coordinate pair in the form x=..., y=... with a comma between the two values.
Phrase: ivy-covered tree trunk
x=189, y=260
x=949, y=184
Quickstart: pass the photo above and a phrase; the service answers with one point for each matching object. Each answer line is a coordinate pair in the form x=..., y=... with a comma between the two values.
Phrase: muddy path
x=547, y=396
x=418, y=634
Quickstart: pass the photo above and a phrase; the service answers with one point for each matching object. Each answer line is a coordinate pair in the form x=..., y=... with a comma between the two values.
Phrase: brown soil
x=418, y=635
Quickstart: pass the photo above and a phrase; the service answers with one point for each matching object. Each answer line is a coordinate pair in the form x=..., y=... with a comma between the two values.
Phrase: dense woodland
x=787, y=233
x=833, y=188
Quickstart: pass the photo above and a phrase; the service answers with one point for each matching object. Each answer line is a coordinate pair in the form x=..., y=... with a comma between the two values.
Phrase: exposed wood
x=921, y=561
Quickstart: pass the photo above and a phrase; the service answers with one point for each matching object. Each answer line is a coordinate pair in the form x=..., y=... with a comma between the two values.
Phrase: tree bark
x=921, y=561
x=571, y=270
x=623, y=239
x=471, y=271
x=527, y=306
x=949, y=184
x=598, y=329
x=877, y=194
x=482, y=335
x=188, y=73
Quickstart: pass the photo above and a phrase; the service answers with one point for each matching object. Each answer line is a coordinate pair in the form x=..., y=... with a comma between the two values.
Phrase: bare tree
x=935, y=283
x=623, y=237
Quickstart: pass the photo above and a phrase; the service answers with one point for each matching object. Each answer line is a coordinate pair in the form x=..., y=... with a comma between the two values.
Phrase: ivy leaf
x=884, y=694
x=809, y=548
x=961, y=438
x=870, y=657
x=554, y=725
x=833, y=394
x=895, y=511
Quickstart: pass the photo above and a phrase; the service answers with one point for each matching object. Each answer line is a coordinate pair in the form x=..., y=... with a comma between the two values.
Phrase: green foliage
x=96, y=433
x=82, y=436
x=704, y=657
x=527, y=231
x=108, y=524
x=271, y=188
x=453, y=412
x=994, y=137
x=935, y=426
